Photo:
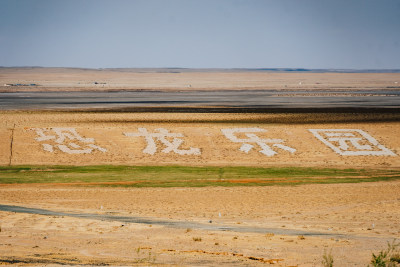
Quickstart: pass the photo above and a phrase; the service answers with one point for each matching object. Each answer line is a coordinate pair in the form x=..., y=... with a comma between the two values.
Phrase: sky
x=327, y=34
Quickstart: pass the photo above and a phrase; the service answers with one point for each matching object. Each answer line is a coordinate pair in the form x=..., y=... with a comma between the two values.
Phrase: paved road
x=232, y=99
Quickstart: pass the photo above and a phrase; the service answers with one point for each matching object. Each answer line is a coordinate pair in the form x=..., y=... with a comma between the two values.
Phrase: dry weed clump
x=390, y=257
x=327, y=259
x=269, y=235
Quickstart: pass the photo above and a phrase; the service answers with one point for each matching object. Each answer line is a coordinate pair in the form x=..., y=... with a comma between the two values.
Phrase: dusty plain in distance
x=70, y=79
x=298, y=223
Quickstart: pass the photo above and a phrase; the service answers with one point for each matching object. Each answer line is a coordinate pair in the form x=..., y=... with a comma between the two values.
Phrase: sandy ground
x=202, y=132
x=358, y=219
x=61, y=79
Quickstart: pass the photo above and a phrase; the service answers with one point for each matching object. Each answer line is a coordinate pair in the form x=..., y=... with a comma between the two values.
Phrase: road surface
x=226, y=99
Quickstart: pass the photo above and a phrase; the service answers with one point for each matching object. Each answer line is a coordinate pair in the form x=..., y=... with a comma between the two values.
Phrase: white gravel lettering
x=351, y=142
x=253, y=138
x=161, y=135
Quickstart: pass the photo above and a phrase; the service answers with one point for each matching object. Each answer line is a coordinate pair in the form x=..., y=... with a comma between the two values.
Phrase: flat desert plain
x=70, y=79
x=198, y=226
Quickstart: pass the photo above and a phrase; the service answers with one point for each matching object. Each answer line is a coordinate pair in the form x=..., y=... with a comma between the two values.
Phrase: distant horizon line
x=170, y=69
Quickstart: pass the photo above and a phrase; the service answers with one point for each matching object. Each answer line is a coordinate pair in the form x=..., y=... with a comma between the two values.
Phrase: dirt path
x=169, y=223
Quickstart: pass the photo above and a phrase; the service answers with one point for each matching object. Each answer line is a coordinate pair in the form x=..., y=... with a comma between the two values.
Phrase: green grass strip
x=178, y=176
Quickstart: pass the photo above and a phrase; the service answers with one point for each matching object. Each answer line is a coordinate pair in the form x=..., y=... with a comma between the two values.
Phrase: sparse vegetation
x=177, y=176
x=143, y=257
x=327, y=259
x=197, y=239
x=390, y=257
x=269, y=235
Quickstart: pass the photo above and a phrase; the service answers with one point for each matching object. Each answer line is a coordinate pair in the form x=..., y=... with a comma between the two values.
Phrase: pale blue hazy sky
x=360, y=34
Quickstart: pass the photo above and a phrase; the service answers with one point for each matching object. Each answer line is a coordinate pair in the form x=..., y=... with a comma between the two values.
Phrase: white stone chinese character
x=254, y=139
x=351, y=142
x=161, y=135
x=65, y=139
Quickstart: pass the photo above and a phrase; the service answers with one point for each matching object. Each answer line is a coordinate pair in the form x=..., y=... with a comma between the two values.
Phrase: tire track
x=168, y=223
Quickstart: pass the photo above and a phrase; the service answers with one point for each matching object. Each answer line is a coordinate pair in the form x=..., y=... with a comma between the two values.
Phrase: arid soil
x=23, y=143
x=357, y=220
x=348, y=221
x=61, y=79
